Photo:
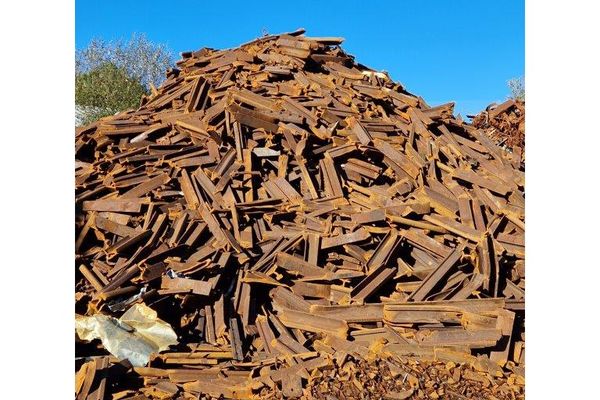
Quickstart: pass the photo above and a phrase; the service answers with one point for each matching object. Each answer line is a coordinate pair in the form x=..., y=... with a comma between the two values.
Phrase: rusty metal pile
x=505, y=125
x=277, y=219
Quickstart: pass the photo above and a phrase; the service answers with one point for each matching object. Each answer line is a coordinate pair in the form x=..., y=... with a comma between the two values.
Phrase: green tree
x=106, y=90
x=112, y=76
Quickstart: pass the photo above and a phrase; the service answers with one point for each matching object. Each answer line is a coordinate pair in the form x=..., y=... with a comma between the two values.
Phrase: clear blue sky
x=442, y=50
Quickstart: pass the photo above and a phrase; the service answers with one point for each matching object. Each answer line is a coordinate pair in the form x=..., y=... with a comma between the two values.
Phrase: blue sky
x=442, y=50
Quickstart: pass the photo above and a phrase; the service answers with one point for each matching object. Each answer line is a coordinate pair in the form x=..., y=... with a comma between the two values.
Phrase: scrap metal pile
x=276, y=219
x=504, y=124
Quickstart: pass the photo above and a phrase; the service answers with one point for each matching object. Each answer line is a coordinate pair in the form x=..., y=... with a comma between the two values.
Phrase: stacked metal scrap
x=292, y=214
x=504, y=124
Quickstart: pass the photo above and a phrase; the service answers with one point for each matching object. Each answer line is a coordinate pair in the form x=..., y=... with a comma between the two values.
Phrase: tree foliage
x=517, y=88
x=112, y=76
x=141, y=59
x=105, y=90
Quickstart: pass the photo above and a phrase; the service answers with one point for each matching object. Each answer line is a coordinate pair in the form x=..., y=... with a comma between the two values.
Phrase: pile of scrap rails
x=279, y=221
x=505, y=124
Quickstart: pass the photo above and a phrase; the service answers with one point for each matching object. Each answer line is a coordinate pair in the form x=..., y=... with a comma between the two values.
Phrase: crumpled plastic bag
x=134, y=336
